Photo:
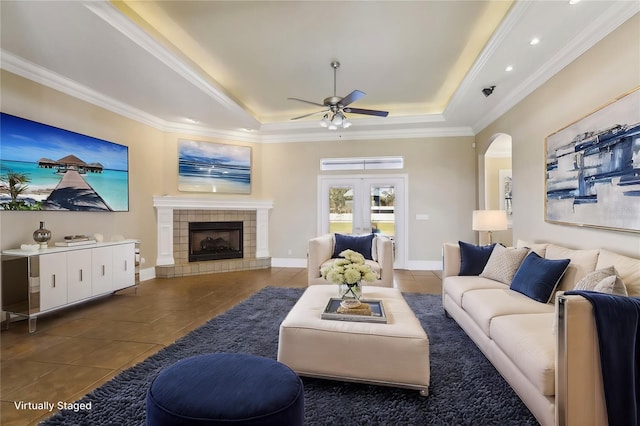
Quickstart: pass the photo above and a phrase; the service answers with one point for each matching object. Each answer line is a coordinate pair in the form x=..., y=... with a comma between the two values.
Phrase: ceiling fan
x=335, y=106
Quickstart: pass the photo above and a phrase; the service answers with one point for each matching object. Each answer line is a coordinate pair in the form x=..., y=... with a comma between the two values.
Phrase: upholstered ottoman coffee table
x=391, y=354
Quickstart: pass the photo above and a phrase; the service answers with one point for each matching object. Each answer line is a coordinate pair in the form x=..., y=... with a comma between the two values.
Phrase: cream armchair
x=321, y=250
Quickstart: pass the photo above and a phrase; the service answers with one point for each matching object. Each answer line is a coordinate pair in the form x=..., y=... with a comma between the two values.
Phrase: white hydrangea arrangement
x=350, y=269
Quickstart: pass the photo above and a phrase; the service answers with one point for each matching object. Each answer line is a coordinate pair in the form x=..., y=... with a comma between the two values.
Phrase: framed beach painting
x=593, y=168
x=47, y=168
x=213, y=167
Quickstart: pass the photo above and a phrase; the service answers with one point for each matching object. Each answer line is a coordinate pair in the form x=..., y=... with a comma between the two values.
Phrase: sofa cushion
x=537, y=277
x=360, y=243
x=539, y=248
x=486, y=304
x=628, y=269
x=473, y=258
x=457, y=286
x=503, y=263
x=526, y=340
x=582, y=262
x=603, y=280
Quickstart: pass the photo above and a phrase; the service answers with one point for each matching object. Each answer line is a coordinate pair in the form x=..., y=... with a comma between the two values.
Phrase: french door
x=364, y=204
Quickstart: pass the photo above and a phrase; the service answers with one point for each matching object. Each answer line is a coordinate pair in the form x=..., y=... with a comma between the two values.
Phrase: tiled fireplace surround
x=174, y=215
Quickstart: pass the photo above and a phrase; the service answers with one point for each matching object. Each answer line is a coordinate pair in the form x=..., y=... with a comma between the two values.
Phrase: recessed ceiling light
x=509, y=68
x=534, y=41
x=574, y=1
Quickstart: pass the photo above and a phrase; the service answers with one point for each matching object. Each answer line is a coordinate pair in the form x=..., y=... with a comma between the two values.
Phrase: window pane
x=341, y=209
x=383, y=218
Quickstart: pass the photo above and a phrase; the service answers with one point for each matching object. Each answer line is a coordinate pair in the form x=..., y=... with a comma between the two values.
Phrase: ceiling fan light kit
x=335, y=107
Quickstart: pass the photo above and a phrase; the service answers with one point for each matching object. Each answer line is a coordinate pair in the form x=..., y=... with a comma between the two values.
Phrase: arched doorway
x=497, y=178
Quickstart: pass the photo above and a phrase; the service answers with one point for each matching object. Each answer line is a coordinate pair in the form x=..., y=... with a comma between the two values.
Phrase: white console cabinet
x=37, y=282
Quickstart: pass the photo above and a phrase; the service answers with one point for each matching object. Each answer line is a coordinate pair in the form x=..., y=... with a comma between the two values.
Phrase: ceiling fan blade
x=306, y=102
x=352, y=97
x=310, y=114
x=366, y=112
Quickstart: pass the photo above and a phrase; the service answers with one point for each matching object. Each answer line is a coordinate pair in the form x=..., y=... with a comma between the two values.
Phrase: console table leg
x=5, y=323
x=32, y=324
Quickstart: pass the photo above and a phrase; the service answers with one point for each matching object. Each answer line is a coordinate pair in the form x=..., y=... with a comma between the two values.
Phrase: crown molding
x=512, y=20
x=268, y=133
x=598, y=29
x=324, y=135
x=417, y=126
x=112, y=16
x=33, y=72
x=229, y=135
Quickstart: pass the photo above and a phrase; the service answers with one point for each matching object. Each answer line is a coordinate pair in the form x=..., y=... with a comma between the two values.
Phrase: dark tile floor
x=78, y=349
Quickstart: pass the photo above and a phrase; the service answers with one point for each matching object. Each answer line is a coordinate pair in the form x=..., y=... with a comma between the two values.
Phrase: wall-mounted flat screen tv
x=46, y=168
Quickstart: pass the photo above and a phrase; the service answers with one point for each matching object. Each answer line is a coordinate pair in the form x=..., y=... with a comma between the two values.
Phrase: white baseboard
x=147, y=274
x=424, y=265
x=287, y=262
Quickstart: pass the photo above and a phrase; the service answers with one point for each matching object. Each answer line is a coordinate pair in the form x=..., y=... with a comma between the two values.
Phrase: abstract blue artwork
x=593, y=168
x=214, y=167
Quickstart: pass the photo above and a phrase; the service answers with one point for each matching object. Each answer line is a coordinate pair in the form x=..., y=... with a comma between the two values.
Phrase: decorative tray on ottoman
x=376, y=313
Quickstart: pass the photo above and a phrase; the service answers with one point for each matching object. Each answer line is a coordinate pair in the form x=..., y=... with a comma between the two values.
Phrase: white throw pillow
x=605, y=280
x=628, y=269
x=589, y=281
x=503, y=263
x=612, y=285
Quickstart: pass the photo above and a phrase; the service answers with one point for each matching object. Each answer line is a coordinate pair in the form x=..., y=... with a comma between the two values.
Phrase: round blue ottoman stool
x=223, y=389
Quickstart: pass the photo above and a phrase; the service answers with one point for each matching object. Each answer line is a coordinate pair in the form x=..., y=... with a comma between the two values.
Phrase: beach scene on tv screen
x=46, y=168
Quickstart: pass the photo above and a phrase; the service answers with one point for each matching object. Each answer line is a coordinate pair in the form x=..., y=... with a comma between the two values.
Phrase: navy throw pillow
x=473, y=258
x=538, y=277
x=360, y=243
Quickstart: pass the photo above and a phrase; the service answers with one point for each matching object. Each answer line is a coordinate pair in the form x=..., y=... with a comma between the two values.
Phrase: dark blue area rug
x=465, y=388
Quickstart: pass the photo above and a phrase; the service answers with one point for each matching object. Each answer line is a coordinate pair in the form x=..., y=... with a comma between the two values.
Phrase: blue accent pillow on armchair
x=538, y=277
x=360, y=243
x=473, y=258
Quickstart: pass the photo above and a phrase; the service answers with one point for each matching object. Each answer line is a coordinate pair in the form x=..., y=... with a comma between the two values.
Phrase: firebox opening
x=215, y=241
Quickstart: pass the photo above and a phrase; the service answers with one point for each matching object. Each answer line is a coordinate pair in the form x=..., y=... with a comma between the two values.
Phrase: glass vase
x=350, y=294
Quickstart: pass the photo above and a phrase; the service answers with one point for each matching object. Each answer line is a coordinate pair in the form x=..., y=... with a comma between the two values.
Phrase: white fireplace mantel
x=165, y=205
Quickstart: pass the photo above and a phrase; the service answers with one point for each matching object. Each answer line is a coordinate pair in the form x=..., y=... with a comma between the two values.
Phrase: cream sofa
x=321, y=249
x=548, y=353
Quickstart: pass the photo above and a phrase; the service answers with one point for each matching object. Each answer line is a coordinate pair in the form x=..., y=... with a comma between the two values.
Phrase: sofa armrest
x=384, y=247
x=319, y=251
x=450, y=259
x=579, y=390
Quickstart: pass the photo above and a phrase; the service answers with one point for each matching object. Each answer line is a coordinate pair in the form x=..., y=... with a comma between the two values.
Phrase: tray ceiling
x=226, y=68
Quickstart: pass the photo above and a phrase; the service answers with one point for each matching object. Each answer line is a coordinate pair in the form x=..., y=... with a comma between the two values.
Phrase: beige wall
x=493, y=165
x=442, y=172
x=608, y=70
x=29, y=100
x=441, y=183
x=441, y=179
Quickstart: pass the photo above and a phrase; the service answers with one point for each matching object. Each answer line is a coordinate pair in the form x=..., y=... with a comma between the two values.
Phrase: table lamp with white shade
x=489, y=221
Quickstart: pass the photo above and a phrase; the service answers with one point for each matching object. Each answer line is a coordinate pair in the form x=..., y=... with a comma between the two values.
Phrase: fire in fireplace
x=215, y=241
